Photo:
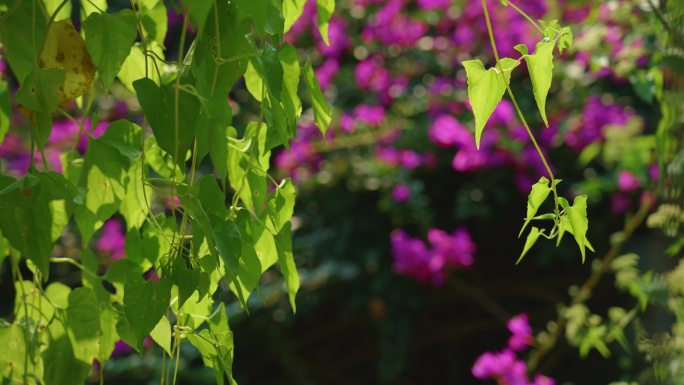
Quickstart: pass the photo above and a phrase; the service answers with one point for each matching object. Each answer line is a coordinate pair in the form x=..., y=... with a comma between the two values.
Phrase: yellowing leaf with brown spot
x=65, y=49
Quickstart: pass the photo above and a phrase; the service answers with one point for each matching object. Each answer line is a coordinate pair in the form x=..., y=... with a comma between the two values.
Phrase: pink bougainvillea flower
x=401, y=193
x=627, y=181
x=446, y=131
x=521, y=331
x=112, y=239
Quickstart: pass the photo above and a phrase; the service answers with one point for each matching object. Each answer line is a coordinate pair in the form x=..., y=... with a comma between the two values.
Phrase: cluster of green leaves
x=231, y=225
x=486, y=88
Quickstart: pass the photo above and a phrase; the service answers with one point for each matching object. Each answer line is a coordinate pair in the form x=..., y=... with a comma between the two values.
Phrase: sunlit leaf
x=530, y=241
x=485, y=89
x=109, y=39
x=322, y=110
x=540, y=65
x=540, y=191
x=577, y=216
x=325, y=10
x=65, y=49
x=145, y=303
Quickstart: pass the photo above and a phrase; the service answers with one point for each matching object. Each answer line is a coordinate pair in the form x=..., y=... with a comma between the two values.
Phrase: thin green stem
x=526, y=16
x=517, y=107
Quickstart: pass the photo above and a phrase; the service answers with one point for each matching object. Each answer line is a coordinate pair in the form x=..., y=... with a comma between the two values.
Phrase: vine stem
x=526, y=16
x=509, y=91
x=585, y=290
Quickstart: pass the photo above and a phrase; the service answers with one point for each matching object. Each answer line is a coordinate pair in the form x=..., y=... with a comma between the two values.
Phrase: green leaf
x=161, y=334
x=158, y=103
x=287, y=263
x=577, y=216
x=52, y=5
x=133, y=68
x=13, y=355
x=145, y=303
x=104, y=176
x=155, y=21
x=267, y=64
x=161, y=162
x=263, y=13
x=219, y=136
x=485, y=89
x=33, y=308
x=292, y=10
x=228, y=242
x=565, y=39
x=254, y=83
x=22, y=31
x=198, y=10
x=83, y=324
x=40, y=93
x=281, y=204
x=218, y=67
x=61, y=366
x=529, y=242
x=322, y=110
x=289, y=98
x=216, y=345
x=58, y=294
x=540, y=65
x=108, y=320
x=134, y=206
x=89, y=7
x=109, y=39
x=249, y=267
x=185, y=278
x=250, y=182
x=32, y=218
x=565, y=225
x=540, y=191
x=325, y=10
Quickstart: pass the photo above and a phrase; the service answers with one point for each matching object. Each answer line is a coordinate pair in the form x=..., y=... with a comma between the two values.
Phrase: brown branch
x=585, y=290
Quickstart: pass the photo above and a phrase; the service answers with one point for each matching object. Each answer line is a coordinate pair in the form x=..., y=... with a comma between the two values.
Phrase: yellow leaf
x=65, y=49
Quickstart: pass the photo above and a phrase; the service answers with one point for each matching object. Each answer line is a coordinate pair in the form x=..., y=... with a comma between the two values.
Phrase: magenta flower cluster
x=505, y=367
x=432, y=263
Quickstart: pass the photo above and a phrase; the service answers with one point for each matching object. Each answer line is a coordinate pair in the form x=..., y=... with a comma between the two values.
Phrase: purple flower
x=504, y=367
x=457, y=248
x=409, y=159
x=371, y=75
x=325, y=73
x=654, y=172
x=412, y=258
x=627, y=181
x=347, y=123
x=390, y=27
x=595, y=117
x=540, y=379
x=503, y=114
x=620, y=203
x=446, y=131
x=112, y=240
x=121, y=348
x=370, y=115
x=387, y=155
x=521, y=331
x=431, y=265
x=401, y=193
x=339, y=41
